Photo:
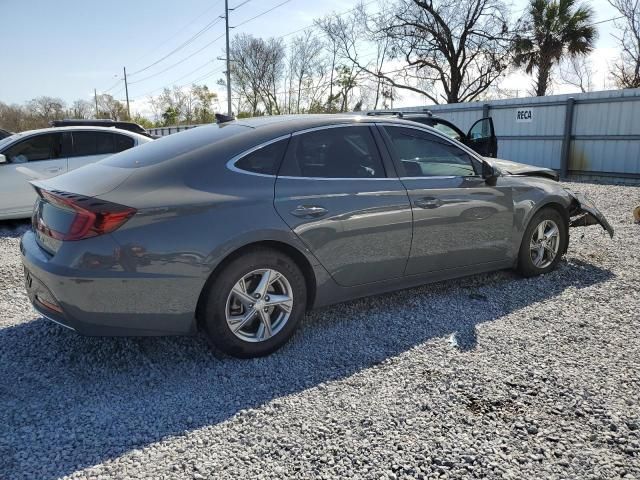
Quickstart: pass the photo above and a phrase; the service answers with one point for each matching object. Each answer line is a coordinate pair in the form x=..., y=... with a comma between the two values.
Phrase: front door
x=482, y=138
x=334, y=193
x=459, y=220
x=36, y=157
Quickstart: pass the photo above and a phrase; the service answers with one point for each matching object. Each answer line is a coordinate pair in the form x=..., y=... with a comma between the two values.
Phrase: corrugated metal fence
x=593, y=134
x=164, y=131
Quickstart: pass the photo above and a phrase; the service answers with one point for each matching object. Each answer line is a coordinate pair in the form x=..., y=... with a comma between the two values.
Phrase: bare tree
x=626, y=71
x=48, y=108
x=454, y=50
x=81, y=109
x=109, y=107
x=306, y=52
x=350, y=72
x=156, y=107
x=578, y=71
x=15, y=118
x=257, y=71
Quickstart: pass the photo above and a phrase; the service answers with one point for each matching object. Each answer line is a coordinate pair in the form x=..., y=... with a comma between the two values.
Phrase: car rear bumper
x=103, y=303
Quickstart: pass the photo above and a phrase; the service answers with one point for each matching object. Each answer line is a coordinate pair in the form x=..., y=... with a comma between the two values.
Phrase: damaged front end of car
x=583, y=213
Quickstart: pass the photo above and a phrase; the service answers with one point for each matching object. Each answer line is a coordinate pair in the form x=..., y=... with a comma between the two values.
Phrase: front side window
x=92, y=143
x=340, y=152
x=423, y=155
x=37, y=147
x=265, y=160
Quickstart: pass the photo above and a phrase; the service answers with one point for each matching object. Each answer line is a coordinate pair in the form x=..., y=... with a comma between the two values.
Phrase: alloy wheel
x=544, y=245
x=259, y=305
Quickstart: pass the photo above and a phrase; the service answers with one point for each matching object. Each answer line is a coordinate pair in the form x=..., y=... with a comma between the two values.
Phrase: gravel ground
x=490, y=376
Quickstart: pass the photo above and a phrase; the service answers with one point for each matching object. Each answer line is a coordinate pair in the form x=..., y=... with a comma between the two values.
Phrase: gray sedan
x=237, y=228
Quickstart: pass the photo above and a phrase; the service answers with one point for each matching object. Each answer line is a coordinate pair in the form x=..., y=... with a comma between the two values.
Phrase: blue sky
x=66, y=48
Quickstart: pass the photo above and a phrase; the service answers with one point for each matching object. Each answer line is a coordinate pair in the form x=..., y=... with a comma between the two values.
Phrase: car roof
x=284, y=124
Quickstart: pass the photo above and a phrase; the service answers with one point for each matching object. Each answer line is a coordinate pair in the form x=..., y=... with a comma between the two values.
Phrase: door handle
x=428, y=202
x=313, y=211
x=53, y=169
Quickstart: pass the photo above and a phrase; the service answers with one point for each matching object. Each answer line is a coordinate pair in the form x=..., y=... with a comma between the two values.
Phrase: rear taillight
x=85, y=217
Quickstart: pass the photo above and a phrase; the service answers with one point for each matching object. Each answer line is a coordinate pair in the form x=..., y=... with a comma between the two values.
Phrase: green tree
x=205, y=99
x=555, y=29
x=142, y=121
x=170, y=116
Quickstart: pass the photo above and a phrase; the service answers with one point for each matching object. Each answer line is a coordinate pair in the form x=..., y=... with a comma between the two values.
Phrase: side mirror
x=3, y=159
x=489, y=172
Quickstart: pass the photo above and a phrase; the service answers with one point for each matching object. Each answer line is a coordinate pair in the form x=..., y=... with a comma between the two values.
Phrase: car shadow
x=14, y=228
x=69, y=402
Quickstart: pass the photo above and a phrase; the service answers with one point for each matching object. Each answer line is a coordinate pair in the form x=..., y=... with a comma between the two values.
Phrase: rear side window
x=265, y=160
x=92, y=143
x=123, y=142
x=340, y=152
x=37, y=147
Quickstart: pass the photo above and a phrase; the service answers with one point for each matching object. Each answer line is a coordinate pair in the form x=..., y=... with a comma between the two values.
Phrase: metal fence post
x=485, y=114
x=566, y=140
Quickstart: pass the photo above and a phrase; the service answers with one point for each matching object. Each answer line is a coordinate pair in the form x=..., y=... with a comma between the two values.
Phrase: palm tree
x=555, y=29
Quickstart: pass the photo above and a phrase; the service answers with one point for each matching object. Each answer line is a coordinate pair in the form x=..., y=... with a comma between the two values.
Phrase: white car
x=38, y=154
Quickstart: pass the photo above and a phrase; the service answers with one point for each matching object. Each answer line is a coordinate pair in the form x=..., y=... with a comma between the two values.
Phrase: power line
x=179, y=62
x=607, y=20
x=240, y=5
x=339, y=14
x=181, y=46
x=261, y=14
x=112, y=86
x=219, y=37
x=182, y=29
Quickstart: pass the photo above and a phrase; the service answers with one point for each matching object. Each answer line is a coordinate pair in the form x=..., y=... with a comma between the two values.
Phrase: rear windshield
x=171, y=146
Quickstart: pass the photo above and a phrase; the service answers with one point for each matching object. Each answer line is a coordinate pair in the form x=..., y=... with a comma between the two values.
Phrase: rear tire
x=543, y=243
x=255, y=304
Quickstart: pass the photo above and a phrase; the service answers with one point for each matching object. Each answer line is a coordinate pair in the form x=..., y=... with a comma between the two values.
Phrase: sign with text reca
x=524, y=115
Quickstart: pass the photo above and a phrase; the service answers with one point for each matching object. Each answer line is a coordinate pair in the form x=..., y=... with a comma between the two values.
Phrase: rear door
x=459, y=219
x=36, y=157
x=341, y=198
x=90, y=146
x=482, y=138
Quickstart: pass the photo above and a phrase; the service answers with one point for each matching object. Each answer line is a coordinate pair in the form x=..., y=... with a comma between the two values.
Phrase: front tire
x=543, y=243
x=255, y=304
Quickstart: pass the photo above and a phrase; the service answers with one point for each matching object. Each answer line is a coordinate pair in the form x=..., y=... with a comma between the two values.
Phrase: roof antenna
x=222, y=118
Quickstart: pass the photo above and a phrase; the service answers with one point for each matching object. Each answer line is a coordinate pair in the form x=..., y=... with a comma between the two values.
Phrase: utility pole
x=126, y=90
x=226, y=21
x=95, y=96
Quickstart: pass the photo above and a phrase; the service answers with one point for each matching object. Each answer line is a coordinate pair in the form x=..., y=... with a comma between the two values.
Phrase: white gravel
x=492, y=376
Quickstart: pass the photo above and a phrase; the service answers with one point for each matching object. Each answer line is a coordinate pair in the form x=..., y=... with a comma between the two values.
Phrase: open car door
x=482, y=138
